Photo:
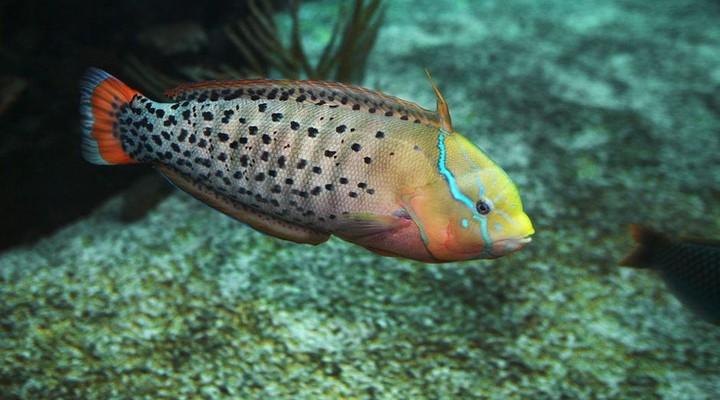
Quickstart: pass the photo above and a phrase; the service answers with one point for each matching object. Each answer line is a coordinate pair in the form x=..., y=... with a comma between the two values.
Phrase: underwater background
x=604, y=113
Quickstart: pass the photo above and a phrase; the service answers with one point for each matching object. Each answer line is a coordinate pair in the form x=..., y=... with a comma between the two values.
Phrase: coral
x=258, y=40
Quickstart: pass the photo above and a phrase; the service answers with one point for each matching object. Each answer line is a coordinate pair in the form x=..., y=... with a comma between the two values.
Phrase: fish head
x=474, y=211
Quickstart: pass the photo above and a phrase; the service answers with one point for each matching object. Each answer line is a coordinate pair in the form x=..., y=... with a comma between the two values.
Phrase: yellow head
x=473, y=210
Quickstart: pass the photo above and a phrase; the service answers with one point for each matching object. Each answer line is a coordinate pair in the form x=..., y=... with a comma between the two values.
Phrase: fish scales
x=281, y=157
x=303, y=160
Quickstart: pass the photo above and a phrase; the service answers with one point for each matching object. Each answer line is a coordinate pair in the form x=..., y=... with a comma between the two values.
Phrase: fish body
x=303, y=160
x=691, y=268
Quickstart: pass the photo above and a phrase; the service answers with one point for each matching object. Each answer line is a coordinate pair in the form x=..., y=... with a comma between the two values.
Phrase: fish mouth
x=509, y=245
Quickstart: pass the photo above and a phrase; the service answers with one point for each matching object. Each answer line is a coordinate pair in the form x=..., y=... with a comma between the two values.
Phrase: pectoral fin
x=354, y=226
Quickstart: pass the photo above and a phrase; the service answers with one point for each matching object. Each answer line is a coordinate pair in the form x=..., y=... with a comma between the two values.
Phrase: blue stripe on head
x=457, y=194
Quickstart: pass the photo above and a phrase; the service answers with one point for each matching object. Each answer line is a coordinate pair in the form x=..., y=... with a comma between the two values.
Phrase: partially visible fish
x=691, y=268
x=303, y=160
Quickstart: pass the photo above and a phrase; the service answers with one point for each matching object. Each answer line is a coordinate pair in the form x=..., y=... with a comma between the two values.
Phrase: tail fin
x=648, y=243
x=101, y=96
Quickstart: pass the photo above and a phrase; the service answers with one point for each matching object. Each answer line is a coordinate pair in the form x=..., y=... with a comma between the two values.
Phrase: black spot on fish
x=242, y=120
x=371, y=111
x=301, y=98
x=165, y=135
x=260, y=177
x=289, y=181
x=276, y=117
x=294, y=125
x=380, y=134
x=353, y=194
x=207, y=116
x=276, y=189
x=202, y=143
x=317, y=170
x=203, y=161
x=272, y=173
x=312, y=132
x=171, y=120
x=316, y=190
x=367, y=160
x=302, y=163
x=222, y=157
x=238, y=175
x=329, y=186
x=192, y=139
x=207, y=131
x=243, y=140
x=227, y=114
x=266, y=139
x=234, y=144
x=244, y=159
x=175, y=147
x=344, y=181
x=281, y=161
x=362, y=185
x=370, y=191
x=340, y=129
x=262, y=107
x=356, y=147
x=156, y=139
x=223, y=137
x=329, y=153
x=388, y=113
x=183, y=135
x=265, y=156
x=253, y=130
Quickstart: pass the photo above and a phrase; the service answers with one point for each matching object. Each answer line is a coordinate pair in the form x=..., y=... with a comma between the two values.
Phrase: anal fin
x=260, y=221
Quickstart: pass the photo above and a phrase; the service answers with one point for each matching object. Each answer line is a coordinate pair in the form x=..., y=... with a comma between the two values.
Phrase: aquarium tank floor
x=604, y=113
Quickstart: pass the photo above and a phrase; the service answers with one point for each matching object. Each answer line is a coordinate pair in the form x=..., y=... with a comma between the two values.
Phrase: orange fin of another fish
x=327, y=94
x=262, y=222
x=101, y=96
x=647, y=243
x=443, y=110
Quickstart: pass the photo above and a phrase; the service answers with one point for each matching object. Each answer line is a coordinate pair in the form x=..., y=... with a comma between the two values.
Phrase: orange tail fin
x=101, y=97
x=648, y=242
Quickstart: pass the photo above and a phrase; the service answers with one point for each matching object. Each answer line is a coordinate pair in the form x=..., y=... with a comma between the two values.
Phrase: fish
x=305, y=160
x=689, y=267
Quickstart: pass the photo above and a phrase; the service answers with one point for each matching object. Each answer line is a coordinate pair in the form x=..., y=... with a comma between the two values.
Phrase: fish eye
x=483, y=207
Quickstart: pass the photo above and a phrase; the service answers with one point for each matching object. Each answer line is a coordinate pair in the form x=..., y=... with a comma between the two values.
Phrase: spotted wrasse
x=303, y=160
x=690, y=267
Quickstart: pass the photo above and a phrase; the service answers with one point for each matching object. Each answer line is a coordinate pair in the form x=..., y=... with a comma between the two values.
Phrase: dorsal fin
x=318, y=92
x=443, y=111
